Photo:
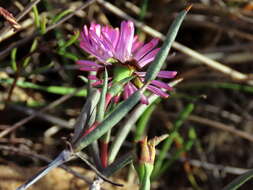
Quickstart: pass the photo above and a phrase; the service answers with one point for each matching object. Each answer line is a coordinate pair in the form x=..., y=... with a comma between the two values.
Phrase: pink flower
x=120, y=48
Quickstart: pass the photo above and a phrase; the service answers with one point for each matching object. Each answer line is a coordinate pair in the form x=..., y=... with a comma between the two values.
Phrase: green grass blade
x=224, y=85
x=118, y=164
x=33, y=47
x=43, y=24
x=61, y=15
x=101, y=104
x=239, y=181
x=50, y=89
x=186, y=147
x=160, y=58
x=183, y=116
x=85, y=114
x=71, y=41
x=110, y=121
x=36, y=16
x=168, y=142
x=143, y=121
x=126, y=128
x=13, y=59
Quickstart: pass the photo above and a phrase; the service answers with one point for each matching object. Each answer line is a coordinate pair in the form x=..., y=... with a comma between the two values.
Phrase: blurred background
x=209, y=112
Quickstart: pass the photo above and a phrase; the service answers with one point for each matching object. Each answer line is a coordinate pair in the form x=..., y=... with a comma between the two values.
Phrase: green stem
x=146, y=175
x=126, y=127
x=168, y=142
x=143, y=121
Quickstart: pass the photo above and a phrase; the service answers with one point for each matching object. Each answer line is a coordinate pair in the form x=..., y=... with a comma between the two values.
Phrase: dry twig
x=29, y=118
x=184, y=49
x=10, y=18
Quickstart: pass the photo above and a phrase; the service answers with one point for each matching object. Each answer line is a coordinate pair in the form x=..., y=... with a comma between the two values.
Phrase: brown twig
x=43, y=158
x=218, y=125
x=29, y=118
x=21, y=14
x=27, y=9
x=17, y=73
x=193, y=21
x=47, y=117
x=184, y=49
x=211, y=166
x=35, y=34
x=10, y=18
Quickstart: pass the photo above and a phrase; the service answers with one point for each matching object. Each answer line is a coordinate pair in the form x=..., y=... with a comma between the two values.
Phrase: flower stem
x=104, y=153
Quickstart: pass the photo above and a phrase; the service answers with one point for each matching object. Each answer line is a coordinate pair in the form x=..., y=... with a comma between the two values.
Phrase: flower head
x=122, y=52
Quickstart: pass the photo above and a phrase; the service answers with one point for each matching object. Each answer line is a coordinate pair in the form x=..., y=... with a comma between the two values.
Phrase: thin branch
x=218, y=125
x=27, y=9
x=43, y=158
x=29, y=118
x=35, y=34
x=47, y=117
x=9, y=18
x=21, y=15
x=184, y=49
x=99, y=174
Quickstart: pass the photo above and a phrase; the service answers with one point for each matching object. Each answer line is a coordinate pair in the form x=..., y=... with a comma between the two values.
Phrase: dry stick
x=192, y=53
x=25, y=24
x=211, y=166
x=29, y=118
x=225, y=29
x=9, y=18
x=35, y=34
x=215, y=167
x=27, y=9
x=21, y=15
x=13, y=85
x=40, y=157
x=221, y=126
x=47, y=117
x=225, y=13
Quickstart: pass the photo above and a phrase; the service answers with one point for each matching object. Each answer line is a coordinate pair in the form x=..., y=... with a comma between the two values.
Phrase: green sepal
x=117, y=87
x=121, y=72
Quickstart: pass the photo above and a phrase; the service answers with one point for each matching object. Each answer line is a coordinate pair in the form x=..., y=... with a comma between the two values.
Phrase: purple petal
x=148, y=58
x=86, y=46
x=136, y=44
x=84, y=34
x=111, y=34
x=124, y=45
x=88, y=69
x=108, y=42
x=88, y=63
x=99, y=82
x=146, y=49
x=93, y=42
x=96, y=28
x=161, y=84
x=108, y=99
x=93, y=77
x=157, y=91
x=144, y=99
x=116, y=99
x=126, y=92
x=102, y=45
x=141, y=74
x=93, y=50
x=167, y=74
x=132, y=88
